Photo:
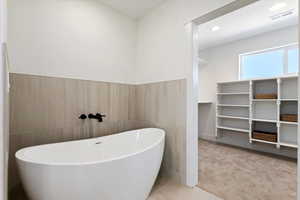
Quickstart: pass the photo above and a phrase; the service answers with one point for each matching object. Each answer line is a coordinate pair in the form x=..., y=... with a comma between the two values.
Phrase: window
x=293, y=60
x=270, y=63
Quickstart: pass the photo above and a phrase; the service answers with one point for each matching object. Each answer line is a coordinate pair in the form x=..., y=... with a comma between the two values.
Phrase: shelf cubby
x=233, y=123
x=234, y=87
x=234, y=111
x=263, y=129
x=265, y=87
x=288, y=134
x=270, y=127
x=288, y=108
x=289, y=88
x=264, y=110
x=234, y=99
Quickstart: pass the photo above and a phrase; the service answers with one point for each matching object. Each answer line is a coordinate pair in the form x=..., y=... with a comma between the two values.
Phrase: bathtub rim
x=19, y=153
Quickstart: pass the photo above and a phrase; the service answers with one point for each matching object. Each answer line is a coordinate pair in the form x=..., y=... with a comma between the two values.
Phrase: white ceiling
x=133, y=8
x=246, y=22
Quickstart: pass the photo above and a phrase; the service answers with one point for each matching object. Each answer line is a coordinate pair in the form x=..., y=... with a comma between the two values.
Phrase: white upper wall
x=163, y=42
x=84, y=39
x=76, y=39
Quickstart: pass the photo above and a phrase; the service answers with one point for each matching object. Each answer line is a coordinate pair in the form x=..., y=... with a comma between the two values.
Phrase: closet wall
x=222, y=64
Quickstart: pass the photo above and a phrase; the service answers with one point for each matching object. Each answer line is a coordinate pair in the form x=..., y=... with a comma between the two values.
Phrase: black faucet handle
x=82, y=116
x=100, y=115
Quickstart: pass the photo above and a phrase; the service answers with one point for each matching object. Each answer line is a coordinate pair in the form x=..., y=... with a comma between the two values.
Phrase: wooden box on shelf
x=270, y=137
x=265, y=96
x=289, y=117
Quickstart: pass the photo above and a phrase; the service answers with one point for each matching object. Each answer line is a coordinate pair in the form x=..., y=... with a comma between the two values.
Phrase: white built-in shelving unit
x=239, y=111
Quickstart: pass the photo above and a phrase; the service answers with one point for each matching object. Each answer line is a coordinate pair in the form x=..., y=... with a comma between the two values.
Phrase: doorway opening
x=248, y=100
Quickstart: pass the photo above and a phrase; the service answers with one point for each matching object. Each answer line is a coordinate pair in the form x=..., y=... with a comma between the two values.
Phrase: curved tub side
x=129, y=178
x=23, y=153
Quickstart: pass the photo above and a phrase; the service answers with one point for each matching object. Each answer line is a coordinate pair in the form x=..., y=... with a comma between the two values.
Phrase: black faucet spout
x=98, y=116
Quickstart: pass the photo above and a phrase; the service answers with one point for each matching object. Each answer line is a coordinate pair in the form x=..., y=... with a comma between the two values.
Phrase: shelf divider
x=233, y=129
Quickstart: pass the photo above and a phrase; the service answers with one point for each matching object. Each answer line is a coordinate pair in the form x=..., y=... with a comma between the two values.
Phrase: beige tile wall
x=46, y=110
x=163, y=105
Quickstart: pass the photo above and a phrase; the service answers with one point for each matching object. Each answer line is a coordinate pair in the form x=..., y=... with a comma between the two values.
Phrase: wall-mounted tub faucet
x=98, y=116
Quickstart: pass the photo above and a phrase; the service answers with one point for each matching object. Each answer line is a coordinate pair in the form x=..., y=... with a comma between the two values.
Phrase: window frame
x=286, y=48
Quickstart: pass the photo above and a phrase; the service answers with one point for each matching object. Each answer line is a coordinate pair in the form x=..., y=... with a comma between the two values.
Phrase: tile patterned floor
x=163, y=190
x=168, y=190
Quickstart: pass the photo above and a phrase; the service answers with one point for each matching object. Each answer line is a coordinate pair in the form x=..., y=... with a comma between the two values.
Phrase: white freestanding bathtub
x=117, y=167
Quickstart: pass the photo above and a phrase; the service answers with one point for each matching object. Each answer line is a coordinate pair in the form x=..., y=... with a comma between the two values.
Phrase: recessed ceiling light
x=282, y=14
x=215, y=28
x=278, y=6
